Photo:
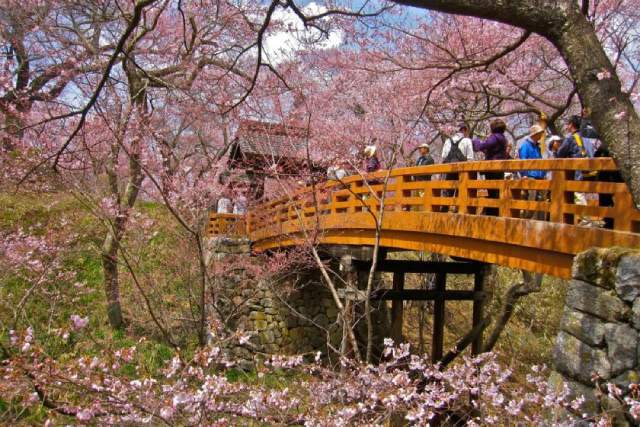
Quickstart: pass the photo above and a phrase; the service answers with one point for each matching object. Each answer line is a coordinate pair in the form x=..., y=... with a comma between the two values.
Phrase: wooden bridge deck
x=418, y=214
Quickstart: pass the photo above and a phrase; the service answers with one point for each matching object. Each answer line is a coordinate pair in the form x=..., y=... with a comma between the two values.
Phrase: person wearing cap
x=372, y=163
x=424, y=159
x=553, y=143
x=575, y=147
x=530, y=150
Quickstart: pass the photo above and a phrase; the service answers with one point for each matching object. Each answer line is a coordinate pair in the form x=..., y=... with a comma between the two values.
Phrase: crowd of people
x=581, y=141
x=233, y=199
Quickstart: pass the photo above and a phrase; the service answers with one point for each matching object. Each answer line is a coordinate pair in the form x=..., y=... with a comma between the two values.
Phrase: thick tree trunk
x=613, y=113
x=562, y=23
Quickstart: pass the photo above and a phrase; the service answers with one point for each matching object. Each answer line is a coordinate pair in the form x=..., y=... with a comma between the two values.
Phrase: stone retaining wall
x=599, y=330
x=292, y=316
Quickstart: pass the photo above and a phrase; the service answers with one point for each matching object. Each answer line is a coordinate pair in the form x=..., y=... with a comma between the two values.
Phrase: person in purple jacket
x=495, y=147
x=372, y=164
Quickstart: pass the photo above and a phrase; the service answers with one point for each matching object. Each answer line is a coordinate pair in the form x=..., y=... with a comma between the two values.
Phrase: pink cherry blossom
x=78, y=322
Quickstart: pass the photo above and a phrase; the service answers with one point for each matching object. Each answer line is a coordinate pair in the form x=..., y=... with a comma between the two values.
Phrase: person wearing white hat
x=553, y=143
x=425, y=159
x=530, y=150
x=372, y=162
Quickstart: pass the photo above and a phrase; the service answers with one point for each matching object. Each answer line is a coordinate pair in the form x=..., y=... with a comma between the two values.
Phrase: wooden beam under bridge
x=440, y=295
x=407, y=266
x=426, y=295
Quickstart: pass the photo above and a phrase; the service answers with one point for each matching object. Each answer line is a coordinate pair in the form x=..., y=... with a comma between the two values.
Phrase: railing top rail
x=225, y=215
x=551, y=165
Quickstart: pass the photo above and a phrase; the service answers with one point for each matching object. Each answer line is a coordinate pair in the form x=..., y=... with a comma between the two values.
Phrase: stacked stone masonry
x=292, y=316
x=599, y=330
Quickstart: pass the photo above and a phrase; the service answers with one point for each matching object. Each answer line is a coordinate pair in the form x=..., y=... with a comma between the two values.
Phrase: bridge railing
x=456, y=188
x=224, y=224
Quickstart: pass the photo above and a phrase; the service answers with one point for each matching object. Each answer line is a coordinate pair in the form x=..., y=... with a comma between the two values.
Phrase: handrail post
x=558, y=184
x=462, y=193
x=398, y=192
x=504, y=198
x=353, y=198
x=623, y=207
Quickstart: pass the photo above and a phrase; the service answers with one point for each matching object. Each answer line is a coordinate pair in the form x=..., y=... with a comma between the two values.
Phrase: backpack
x=586, y=152
x=455, y=154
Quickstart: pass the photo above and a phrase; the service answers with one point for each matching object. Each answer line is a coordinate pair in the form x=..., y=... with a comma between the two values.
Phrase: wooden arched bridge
x=424, y=209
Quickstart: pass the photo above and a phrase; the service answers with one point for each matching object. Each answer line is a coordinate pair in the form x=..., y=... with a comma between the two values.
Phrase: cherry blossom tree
x=567, y=26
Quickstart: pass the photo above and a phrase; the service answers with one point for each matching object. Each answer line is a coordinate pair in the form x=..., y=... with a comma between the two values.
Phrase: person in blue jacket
x=530, y=150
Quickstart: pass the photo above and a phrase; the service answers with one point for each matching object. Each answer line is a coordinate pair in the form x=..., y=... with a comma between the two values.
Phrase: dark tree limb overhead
x=596, y=82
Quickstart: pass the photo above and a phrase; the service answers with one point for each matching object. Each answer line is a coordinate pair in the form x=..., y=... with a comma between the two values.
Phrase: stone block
x=557, y=382
x=336, y=336
x=635, y=314
x=591, y=266
x=267, y=302
x=256, y=315
x=304, y=321
x=596, y=301
x=577, y=360
x=321, y=320
x=267, y=337
x=628, y=277
x=292, y=321
x=615, y=411
x=295, y=334
x=622, y=341
x=585, y=327
x=260, y=325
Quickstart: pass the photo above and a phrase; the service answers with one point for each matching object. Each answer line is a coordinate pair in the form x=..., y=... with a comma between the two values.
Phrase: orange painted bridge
x=424, y=209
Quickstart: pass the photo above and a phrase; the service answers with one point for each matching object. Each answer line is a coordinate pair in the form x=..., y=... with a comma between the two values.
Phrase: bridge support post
x=397, y=309
x=437, y=343
x=440, y=295
x=478, y=308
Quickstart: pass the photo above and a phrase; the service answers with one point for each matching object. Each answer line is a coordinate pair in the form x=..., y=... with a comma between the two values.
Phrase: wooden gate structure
x=416, y=209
